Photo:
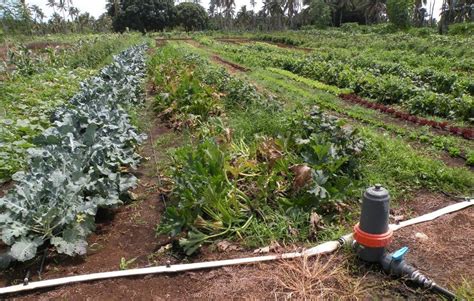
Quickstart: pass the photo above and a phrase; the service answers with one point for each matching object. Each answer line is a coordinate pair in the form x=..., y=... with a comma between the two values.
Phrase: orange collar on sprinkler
x=372, y=240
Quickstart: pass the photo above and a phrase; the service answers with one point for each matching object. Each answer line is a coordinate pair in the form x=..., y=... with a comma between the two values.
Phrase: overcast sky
x=97, y=7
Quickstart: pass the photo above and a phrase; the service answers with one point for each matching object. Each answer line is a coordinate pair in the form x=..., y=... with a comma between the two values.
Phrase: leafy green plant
x=75, y=166
x=470, y=158
x=220, y=190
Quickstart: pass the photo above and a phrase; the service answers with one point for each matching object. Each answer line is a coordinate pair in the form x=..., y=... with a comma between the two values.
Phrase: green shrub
x=465, y=28
x=398, y=12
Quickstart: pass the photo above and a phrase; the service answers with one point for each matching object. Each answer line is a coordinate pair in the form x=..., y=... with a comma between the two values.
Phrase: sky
x=97, y=7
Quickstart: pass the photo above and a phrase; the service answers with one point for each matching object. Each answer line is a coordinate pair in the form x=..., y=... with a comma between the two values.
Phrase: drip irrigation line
x=324, y=248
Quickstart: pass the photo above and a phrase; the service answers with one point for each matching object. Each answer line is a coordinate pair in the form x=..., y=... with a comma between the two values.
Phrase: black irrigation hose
x=443, y=291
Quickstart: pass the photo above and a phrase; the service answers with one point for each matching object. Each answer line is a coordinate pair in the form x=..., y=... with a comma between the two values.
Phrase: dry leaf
x=302, y=175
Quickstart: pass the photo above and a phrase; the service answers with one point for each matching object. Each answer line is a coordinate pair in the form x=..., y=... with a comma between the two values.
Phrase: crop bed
x=246, y=152
x=446, y=94
x=37, y=79
x=76, y=166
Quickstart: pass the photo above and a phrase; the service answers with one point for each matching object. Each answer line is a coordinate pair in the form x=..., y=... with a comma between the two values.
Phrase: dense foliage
x=19, y=17
x=37, y=81
x=225, y=183
x=77, y=165
x=398, y=12
x=145, y=15
x=446, y=92
x=191, y=16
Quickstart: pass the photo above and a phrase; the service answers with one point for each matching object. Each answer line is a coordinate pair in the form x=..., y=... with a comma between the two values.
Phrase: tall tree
x=229, y=6
x=38, y=12
x=317, y=13
x=52, y=4
x=374, y=10
x=292, y=7
x=244, y=18
x=275, y=9
x=191, y=16
x=398, y=12
x=112, y=7
x=145, y=15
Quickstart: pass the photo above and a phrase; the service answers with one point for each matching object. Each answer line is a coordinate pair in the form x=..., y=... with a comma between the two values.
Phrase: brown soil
x=174, y=39
x=446, y=255
x=3, y=53
x=5, y=187
x=232, y=67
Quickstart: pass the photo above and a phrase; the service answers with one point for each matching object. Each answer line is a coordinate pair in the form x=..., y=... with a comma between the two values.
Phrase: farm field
x=127, y=151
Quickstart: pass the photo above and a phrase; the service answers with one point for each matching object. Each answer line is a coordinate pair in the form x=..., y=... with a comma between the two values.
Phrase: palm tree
x=84, y=20
x=229, y=6
x=39, y=14
x=73, y=12
x=275, y=8
x=374, y=10
x=252, y=4
x=52, y=4
x=64, y=6
x=292, y=6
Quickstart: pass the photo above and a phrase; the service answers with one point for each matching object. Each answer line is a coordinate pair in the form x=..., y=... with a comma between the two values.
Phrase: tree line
x=157, y=15
x=146, y=15
x=17, y=17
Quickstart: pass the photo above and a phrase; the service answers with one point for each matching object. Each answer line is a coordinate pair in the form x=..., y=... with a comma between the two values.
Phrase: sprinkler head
x=372, y=234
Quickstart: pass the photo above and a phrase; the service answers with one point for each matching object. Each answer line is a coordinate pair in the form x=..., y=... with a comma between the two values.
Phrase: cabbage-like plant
x=75, y=166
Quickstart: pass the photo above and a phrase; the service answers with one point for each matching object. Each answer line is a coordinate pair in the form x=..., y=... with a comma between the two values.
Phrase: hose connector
x=394, y=264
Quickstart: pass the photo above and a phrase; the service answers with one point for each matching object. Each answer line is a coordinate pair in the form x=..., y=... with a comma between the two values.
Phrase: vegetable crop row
x=77, y=165
x=384, y=87
x=235, y=181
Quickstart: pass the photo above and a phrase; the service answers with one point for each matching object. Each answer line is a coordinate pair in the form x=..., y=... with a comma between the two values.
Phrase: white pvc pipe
x=324, y=248
x=434, y=215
